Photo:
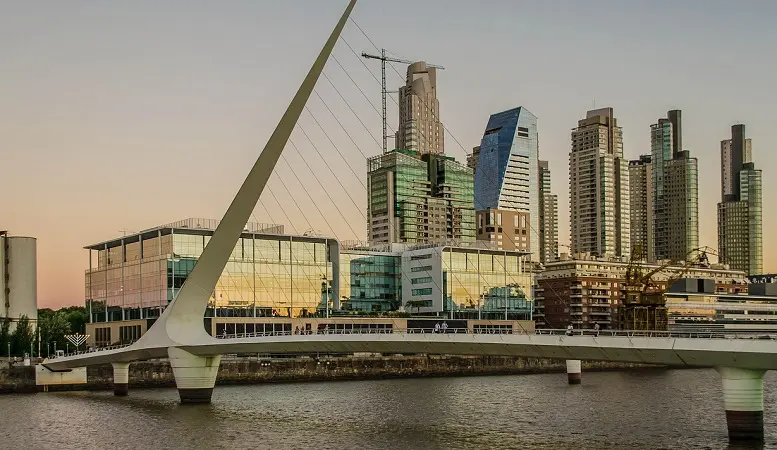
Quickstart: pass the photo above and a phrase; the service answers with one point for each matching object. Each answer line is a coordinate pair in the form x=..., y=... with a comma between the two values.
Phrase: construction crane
x=703, y=258
x=383, y=59
x=643, y=299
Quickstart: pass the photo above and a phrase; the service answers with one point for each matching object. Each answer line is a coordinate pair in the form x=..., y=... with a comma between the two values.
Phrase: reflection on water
x=616, y=410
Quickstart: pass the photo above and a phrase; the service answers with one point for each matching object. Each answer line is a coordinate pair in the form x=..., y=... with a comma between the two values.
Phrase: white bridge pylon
x=180, y=325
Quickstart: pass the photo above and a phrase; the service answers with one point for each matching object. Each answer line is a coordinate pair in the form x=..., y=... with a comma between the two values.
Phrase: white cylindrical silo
x=19, y=278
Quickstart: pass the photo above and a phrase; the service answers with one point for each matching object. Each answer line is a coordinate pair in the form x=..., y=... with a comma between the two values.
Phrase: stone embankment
x=149, y=374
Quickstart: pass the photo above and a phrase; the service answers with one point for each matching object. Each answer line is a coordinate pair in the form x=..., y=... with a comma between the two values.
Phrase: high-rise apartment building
x=507, y=177
x=472, y=158
x=599, y=187
x=675, y=211
x=420, y=128
x=740, y=227
x=641, y=201
x=419, y=198
x=548, y=216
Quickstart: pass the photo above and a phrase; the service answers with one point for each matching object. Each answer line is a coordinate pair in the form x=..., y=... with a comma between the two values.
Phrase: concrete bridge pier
x=194, y=375
x=574, y=371
x=743, y=397
x=120, y=379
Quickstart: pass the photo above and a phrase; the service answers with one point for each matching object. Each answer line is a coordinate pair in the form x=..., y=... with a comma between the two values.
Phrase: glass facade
x=467, y=283
x=675, y=192
x=419, y=199
x=370, y=282
x=493, y=282
x=740, y=225
x=266, y=275
x=507, y=175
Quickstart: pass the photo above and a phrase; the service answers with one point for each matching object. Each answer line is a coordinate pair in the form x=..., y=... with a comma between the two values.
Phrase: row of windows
x=425, y=291
x=421, y=280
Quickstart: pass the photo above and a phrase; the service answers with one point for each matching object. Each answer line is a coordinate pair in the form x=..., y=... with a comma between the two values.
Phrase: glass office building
x=467, y=282
x=268, y=273
x=370, y=280
x=417, y=198
x=507, y=175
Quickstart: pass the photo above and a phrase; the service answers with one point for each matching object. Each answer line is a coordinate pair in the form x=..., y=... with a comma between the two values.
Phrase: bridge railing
x=92, y=350
x=363, y=331
x=702, y=334
x=553, y=332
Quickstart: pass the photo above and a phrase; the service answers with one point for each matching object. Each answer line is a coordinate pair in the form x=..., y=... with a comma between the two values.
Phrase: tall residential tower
x=675, y=192
x=641, y=200
x=548, y=217
x=740, y=233
x=420, y=128
x=599, y=187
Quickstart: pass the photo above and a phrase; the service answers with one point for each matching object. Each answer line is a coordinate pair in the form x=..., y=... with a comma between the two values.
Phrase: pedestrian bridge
x=739, y=350
x=194, y=356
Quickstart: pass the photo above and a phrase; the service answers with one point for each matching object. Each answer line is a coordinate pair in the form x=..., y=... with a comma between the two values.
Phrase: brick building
x=587, y=291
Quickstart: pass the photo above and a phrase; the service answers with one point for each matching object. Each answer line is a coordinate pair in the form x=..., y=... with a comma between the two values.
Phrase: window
x=421, y=269
x=421, y=280
x=427, y=291
x=417, y=257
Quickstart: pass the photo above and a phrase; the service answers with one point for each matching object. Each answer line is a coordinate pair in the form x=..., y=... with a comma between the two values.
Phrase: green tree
x=53, y=326
x=77, y=318
x=5, y=335
x=22, y=337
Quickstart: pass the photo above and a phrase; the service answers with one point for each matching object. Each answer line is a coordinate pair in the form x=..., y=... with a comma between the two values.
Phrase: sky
x=120, y=116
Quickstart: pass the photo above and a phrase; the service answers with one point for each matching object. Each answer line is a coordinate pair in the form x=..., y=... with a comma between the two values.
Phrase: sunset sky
x=125, y=115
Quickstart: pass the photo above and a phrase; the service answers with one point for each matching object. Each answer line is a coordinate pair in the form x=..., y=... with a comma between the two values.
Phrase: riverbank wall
x=150, y=374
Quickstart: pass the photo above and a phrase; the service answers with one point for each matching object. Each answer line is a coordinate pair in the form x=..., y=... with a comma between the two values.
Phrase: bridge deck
x=677, y=349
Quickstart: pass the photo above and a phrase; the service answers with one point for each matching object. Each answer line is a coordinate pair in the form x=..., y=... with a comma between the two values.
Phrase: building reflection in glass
x=267, y=274
x=487, y=284
x=467, y=283
x=370, y=281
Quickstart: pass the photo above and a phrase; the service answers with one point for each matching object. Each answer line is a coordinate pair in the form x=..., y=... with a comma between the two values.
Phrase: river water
x=649, y=409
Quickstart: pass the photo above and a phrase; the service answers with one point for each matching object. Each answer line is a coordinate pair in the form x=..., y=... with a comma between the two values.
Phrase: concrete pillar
x=120, y=379
x=743, y=397
x=574, y=371
x=194, y=375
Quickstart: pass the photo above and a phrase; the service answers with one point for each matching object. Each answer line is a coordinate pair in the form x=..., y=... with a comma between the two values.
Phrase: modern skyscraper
x=675, y=191
x=548, y=216
x=420, y=128
x=417, y=199
x=641, y=200
x=507, y=177
x=733, y=153
x=740, y=227
x=599, y=187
